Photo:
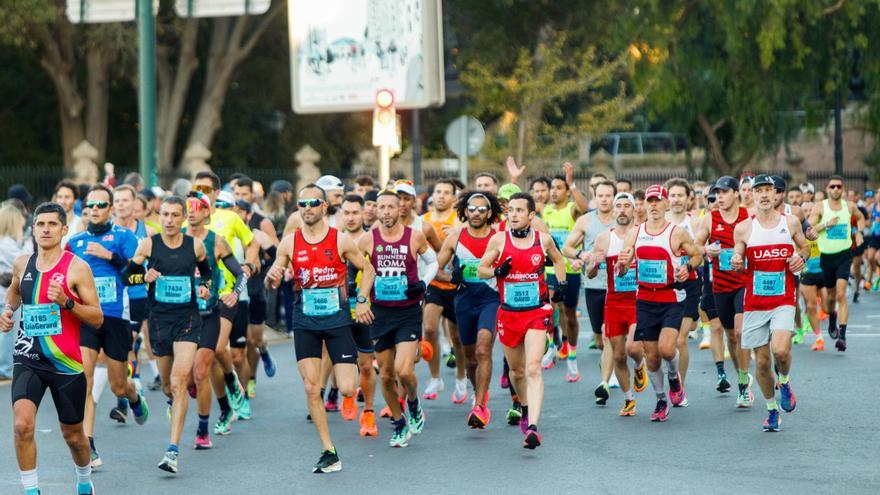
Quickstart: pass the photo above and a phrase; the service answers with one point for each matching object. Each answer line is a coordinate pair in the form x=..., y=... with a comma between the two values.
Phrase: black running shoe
x=328, y=463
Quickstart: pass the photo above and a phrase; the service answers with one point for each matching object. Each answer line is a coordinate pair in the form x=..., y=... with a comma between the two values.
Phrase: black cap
x=711, y=197
x=19, y=192
x=147, y=193
x=763, y=180
x=726, y=182
x=778, y=182
x=244, y=205
x=371, y=195
x=281, y=186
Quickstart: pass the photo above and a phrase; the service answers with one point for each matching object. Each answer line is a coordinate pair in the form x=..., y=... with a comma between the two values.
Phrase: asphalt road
x=828, y=445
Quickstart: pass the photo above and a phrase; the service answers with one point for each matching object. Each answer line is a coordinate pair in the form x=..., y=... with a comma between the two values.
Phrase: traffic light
x=384, y=119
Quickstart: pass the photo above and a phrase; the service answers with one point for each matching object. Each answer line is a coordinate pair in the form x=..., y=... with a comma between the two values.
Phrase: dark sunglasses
x=97, y=204
x=481, y=209
x=710, y=200
x=310, y=203
x=835, y=186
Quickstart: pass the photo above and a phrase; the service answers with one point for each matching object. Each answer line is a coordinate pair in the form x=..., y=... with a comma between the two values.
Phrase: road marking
x=873, y=316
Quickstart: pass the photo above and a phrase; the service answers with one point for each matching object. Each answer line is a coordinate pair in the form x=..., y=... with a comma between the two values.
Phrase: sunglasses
x=310, y=203
x=835, y=186
x=194, y=204
x=481, y=209
x=97, y=204
x=711, y=200
x=203, y=189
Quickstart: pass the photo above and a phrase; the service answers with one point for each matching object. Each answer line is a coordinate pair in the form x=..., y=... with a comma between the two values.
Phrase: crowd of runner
x=372, y=279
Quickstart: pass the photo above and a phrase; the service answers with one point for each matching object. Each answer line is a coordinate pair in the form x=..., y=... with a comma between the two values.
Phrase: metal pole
x=463, y=157
x=838, y=135
x=147, y=90
x=416, y=149
x=384, y=165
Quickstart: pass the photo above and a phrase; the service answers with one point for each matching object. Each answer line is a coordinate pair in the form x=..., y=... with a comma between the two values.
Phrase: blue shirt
x=136, y=292
x=117, y=240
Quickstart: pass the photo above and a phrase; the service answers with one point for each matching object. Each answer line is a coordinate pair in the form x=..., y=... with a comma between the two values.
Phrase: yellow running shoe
x=629, y=408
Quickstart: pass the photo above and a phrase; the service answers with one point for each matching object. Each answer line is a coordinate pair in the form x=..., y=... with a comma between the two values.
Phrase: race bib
x=626, y=283
x=469, y=271
x=837, y=232
x=41, y=320
x=320, y=302
x=724, y=260
x=106, y=287
x=173, y=289
x=652, y=271
x=390, y=288
x=769, y=283
x=559, y=236
x=522, y=294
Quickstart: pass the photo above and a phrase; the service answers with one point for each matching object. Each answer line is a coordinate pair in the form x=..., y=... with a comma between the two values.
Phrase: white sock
x=658, y=382
x=154, y=367
x=628, y=395
x=84, y=474
x=672, y=366
x=29, y=479
x=99, y=382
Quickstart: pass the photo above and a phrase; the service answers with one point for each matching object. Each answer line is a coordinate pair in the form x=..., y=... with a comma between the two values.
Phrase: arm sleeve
x=204, y=267
x=133, y=274
x=430, y=265
x=234, y=268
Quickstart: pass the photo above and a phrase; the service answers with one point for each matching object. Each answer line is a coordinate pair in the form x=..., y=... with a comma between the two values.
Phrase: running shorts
x=758, y=326
x=339, y=341
x=595, y=300
x=394, y=325
x=362, y=341
x=238, y=336
x=652, y=317
x=572, y=289
x=620, y=318
x=693, y=290
x=443, y=298
x=114, y=336
x=165, y=331
x=471, y=321
x=728, y=305
x=257, y=309
x=138, y=310
x=835, y=267
x=707, y=299
x=513, y=325
x=68, y=391
x=813, y=280
x=210, y=333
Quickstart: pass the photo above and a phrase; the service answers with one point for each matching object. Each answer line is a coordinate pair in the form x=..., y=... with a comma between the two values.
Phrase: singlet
x=724, y=279
x=473, y=292
x=228, y=225
x=594, y=228
x=319, y=283
x=685, y=259
x=108, y=283
x=525, y=287
x=621, y=289
x=438, y=225
x=560, y=222
x=173, y=295
x=770, y=284
x=255, y=284
x=217, y=281
x=786, y=210
x=836, y=239
x=137, y=292
x=48, y=336
x=655, y=269
x=396, y=269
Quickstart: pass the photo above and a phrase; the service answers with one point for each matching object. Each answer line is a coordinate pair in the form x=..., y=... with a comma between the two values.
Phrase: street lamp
x=384, y=131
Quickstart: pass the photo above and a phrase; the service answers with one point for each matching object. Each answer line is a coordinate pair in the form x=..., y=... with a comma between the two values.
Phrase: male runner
x=774, y=247
x=745, y=191
x=370, y=208
x=831, y=218
x=620, y=302
x=539, y=188
x=394, y=251
x=66, y=193
x=728, y=285
x=476, y=301
x=175, y=326
x=656, y=245
x=334, y=189
x=486, y=182
x=566, y=205
x=107, y=248
x=56, y=292
x=318, y=255
x=515, y=258
x=811, y=288
x=713, y=337
x=873, y=242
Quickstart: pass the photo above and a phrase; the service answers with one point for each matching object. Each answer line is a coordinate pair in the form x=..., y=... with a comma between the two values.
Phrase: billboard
x=343, y=51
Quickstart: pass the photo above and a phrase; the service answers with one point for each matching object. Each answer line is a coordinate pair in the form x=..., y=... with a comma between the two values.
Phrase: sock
x=628, y=395
x=99, y=382
x=719, y=365
x=172, y=448
x=843, y=331
x=29, y=480
x=525, y=410
x=135, y=406
x=84, y=475
x=672, y=366
x=263, y=351
x=399, y=423
x=771, y=404
x=203, y=424
x=658, y=382
x=572, y=351
x=333, y=395
x=783, y=379
x=322, y=393
x=413, y=405
x=533, y=427
x=154, y=367
x=92, y=443
x=832, y=319
x=224, y=404
x=122, y=403
x=229, y=378
x=743, y=377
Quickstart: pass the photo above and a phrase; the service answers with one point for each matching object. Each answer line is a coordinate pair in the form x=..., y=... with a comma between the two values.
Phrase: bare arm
x=269, y=229
x=143, y=252
x=493, y=250
x=82, y=282
x=555, y=256
x=582, y=204
x=742, y=232
x=627, y=252
x=701, y=233
x=294, y=221
x=282, y=260
x=430, y=234
x=575, y=238
x=797, y=235
x=364, y=248
x=594, y=258
x=447, y=250
x=349, y=251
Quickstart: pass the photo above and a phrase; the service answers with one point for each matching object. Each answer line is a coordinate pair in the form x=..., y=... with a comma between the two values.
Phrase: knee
x=72, y=436
x=237, y=359
x=762, y=360
x=365, y=370
x=388, y=380
x=312, y=390
x=619, y=359
x=483, y=354
x=667, y=353
x=516, y=373
x=533, y=370
x=179, y=382
x=118, y=386
x=346, y=388
x=405, y=374
x=24, y=428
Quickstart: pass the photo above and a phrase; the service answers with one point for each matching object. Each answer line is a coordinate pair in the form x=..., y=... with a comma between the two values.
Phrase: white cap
x=403, y=187
x=158, y=191
x=626, y=197
x=330, y=183
x=226, y=197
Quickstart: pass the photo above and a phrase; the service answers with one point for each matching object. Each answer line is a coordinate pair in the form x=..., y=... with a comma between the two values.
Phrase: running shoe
x=745, y=397
x=156, y=384
x=460, y=394
x=368, y=424
x=435, y=385
x=573, y=374
x=328, y=462
x=798, y=337
x=88, y=489
x=120, y=415
x=722, y=385
x=203, y=441
x=450, y=359
x=505, y=381
x=706, y=343
x=563, y=350
x=833, y=331
x=773, y=421
x=244, y=412
x=640, y=378
x=840, y=345
x=401, y=436
x=629, y=408
x=385, y=412
x=223, y=426
x=661, y=412
x=332, y=404
x=268, y=363
x=532, y=440
x=479, y=417
x=856, y=297
x=789, y=401
x=592, y=344
x=612, y=382
x=549, y=359
x=192, y=391
x=514, y=414
x=676, y=391
x=360, y=395
x=819, y=345
x=349, y=408
x=601, y=394
x=96, y=459
x=252, y=388
x=236, y=398
x=524, y=423
x=416, y=419
x=169, y=462
x=142, y=418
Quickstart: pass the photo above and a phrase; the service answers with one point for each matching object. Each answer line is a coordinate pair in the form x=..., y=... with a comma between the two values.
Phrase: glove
x=457, y=275
x=415, y=290
x=559, y=293
x=503, y=269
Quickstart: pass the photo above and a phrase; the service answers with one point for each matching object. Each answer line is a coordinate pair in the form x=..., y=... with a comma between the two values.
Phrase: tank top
x=724, y=278
x=396, y=269
x=560, y=222
x=685, y=259
x=621, y=289
x=655, y=269
x=217, y=280
x=173, y=294
x=770, y=284
x=835, y=239
x=319, y=283
x=48, y=336
x=594, y=228
x=438, y=225
x=473, y=291
x=525, y=287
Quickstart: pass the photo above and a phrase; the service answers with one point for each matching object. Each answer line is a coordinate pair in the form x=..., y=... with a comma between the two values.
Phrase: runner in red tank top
x=516, y=259
x=656, y=245
x=728, y=284
x=56, y=291
x=775, y=248
x=620, y=300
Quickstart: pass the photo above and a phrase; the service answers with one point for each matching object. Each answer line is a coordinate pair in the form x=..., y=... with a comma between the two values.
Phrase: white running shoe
x=613, y=383
x=435, y=385
x=549, y=359
x=460, y=394
x=573, y=374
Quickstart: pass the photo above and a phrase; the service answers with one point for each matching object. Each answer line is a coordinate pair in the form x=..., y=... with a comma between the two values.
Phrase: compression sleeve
x=430, y=265
x=118, y=262
x=204, y=267
x=234, y=268
x=133, y=274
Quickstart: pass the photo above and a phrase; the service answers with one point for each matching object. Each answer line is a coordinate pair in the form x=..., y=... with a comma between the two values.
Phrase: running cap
x=508, y=190
x=405, y=187
x=224, y=200
x=371, y=195
x=806, y=187
x=764, y=180
x=656, y=191
x=626, y=197
x=330, y=183
x=726, y=183
x=779, y=182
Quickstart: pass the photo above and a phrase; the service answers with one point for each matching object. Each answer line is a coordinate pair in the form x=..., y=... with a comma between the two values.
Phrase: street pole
x=838, y=135
x=417, y=148
x=147, y=90
x=384, y=164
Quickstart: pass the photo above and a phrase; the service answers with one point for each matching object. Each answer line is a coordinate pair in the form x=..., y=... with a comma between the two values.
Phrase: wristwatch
x=69, y=304
x=360, y=299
